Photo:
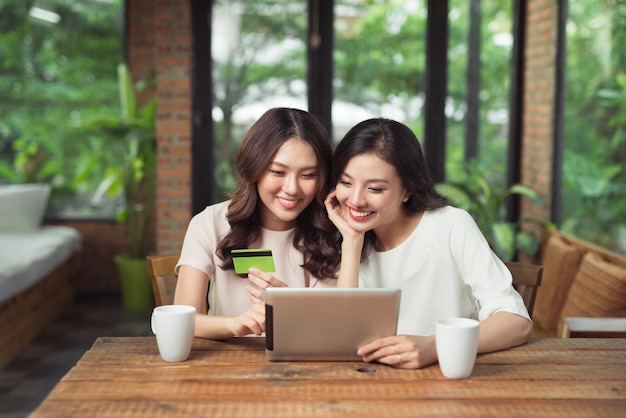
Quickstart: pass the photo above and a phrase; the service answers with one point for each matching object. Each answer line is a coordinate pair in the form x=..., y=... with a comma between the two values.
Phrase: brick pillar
x=173, y=64
x=160, y=44
x=539, y=97
x=141, y=51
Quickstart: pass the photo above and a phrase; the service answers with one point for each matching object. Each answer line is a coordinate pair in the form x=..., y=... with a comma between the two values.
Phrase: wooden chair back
x=161, y=271
x=526, y=280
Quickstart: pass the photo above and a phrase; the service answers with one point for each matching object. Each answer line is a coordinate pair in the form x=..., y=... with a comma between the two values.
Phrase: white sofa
x=36, y=266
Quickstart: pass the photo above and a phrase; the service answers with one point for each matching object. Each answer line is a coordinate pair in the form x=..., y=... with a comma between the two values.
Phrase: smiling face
x=289, y=185
x=371, y=194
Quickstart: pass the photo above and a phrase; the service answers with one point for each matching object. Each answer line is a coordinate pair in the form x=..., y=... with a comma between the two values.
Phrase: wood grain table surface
x=125, y=377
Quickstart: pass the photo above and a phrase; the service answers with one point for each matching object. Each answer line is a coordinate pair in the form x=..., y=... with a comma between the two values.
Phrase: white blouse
x=228, y=294
x=445, y=268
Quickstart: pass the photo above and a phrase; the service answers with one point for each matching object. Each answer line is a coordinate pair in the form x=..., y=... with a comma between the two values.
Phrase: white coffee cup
x=173, y=326
x=457, y=345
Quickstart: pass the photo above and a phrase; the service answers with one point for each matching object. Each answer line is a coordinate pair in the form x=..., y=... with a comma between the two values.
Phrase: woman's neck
x=395, y=233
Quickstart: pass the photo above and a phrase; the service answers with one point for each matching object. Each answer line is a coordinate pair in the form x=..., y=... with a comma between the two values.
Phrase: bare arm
x=503, y=330
x=351, y=245
x=500, y=331
x=191, y=289
x=349, y=266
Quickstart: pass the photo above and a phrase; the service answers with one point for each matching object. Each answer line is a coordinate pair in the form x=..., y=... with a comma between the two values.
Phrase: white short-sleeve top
x=445, y=268
x=228, y=294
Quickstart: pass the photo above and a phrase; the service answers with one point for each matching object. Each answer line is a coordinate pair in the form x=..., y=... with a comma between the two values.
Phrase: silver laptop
x=327, y=324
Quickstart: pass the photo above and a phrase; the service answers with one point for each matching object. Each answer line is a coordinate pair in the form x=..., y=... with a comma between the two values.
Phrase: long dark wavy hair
x=315, y=236
x=394, y=143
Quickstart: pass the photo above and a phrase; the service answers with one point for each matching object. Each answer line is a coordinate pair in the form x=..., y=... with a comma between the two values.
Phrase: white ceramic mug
x=173, y=326
x=457, y=345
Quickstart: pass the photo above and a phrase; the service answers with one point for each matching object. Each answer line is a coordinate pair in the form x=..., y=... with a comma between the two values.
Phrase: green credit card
x=258, y=258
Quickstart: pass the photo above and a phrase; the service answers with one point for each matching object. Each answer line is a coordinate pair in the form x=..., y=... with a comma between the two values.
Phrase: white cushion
x=22, y=206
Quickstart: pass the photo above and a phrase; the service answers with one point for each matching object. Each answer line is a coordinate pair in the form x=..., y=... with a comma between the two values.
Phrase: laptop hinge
x=269, y=327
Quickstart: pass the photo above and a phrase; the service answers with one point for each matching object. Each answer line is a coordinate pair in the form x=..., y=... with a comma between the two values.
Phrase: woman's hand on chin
x=337, y=215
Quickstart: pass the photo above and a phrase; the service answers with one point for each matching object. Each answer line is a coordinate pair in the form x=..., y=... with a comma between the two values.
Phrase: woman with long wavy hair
x=283, y=164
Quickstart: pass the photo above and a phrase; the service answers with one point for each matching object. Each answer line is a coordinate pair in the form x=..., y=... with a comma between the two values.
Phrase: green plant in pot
x=487, y=205
x=135, y=178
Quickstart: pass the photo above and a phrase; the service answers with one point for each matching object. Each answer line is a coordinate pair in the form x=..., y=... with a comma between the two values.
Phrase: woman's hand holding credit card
x=261, y=281
x=246, y=259
x=256, y=263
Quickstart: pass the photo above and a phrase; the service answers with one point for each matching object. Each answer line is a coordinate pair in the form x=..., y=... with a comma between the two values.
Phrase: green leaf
x=503, y=240
x=458, y=195
x=128, y=101
x=525, y=191
x=527, y=242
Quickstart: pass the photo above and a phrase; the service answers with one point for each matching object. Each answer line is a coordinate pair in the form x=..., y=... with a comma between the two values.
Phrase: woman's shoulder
x=448, y=214
x=448, y=219
x=214, y=210
x=214, y=214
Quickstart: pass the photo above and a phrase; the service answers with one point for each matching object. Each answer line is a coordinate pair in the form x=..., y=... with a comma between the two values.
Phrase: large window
x=259, y=58
x=380, y=59
x=58, y=63
x=594, y=160
x=477, y=107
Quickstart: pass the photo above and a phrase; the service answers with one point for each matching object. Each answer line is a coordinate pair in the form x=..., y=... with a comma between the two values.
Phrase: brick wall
x=172, y=38
x=140, y=49
x=539, y=94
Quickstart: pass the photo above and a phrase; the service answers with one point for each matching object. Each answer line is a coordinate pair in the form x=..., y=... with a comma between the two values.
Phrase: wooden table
x=125, y=377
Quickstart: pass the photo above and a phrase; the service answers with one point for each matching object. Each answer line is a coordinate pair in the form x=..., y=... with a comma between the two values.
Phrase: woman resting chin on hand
x=398, y=232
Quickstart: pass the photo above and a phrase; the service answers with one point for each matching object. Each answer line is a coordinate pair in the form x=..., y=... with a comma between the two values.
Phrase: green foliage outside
x=594, y=166
x=52, y=74
x=496, y=49
x=245, y=76
x=380, y=59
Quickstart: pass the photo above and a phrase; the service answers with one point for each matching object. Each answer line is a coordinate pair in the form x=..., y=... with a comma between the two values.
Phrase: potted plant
x=134, y=178
x=486, y=204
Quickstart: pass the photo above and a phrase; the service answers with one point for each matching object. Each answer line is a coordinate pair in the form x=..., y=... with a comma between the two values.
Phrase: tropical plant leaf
x=128, y=101
x=486, y=205
x=525, y=191
x=503, y=240
x=527, y=242
x=457, y=195
x=134, y=177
